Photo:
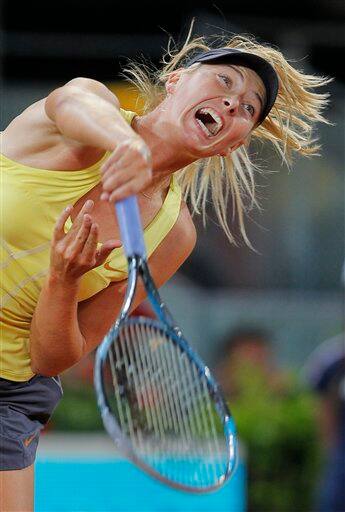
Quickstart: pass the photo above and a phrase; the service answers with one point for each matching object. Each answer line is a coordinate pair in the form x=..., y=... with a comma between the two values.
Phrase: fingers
x=128, y=181
x=75, y=253
x=125, y=152
x=127, y=170
x=90, y=247
x=105, y=196
x=105, y=250
x=85, y=244
x=76, y=243
x=122, y=190
x=59, y=231
x=137, y=179
x=78, y=221
x=127, y=166
x=129, y=189
x=92, y=256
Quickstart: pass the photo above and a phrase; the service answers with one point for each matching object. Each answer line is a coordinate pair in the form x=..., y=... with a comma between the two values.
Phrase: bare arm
x=98, y=313
x=63, y=331
x=72, y=129
x=55, y=337
x=86, y=111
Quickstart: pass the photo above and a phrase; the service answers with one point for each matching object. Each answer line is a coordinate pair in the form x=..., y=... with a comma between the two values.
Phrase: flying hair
x=289, y=127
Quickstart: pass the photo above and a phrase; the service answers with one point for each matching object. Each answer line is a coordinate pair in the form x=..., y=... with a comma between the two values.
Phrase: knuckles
x=139, y=176
x=135, y=150
x=59, y=250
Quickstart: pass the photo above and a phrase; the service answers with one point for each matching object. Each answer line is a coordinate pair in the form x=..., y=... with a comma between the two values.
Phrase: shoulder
x=79, y=85
x=33, y=137
x=174, y=250
x=95, y=87
x=176, y=246
x=29, y=133
x=184, y=228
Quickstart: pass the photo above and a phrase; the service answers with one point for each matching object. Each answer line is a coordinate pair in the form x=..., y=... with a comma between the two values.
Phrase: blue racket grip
x=128, y=217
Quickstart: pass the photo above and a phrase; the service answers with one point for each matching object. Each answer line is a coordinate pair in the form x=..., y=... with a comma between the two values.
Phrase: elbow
x=45, y=372
x=52, y=368
x=41, y=368
x=71, y=94
x=50, y=365
x=57, y=101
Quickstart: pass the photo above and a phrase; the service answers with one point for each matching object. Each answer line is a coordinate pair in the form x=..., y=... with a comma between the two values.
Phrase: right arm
x=72, y=129
x=86, y=111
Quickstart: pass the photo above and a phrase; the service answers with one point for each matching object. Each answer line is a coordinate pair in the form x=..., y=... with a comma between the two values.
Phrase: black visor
x=249, y=60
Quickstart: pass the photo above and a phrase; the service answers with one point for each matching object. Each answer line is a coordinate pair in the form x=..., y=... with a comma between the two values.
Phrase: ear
x=172, y=81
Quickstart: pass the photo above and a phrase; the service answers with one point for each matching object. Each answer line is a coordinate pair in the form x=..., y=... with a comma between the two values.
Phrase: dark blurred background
x=45, y=40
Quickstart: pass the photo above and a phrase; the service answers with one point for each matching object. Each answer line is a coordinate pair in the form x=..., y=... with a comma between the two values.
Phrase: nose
x=231, y=104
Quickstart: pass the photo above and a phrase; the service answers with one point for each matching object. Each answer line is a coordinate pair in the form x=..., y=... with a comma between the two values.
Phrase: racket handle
x=131, y=230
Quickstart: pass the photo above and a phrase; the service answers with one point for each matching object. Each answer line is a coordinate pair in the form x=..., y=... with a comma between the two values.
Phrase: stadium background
x=292, y=286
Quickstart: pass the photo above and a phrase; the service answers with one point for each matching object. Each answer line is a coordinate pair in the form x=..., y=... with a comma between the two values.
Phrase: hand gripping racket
x=158, y=400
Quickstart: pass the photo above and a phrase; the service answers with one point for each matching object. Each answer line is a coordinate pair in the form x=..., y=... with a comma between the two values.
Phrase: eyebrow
x=242, y=76
x=237, y=71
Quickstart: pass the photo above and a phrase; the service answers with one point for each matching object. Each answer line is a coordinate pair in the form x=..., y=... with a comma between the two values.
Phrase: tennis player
x=68, y=157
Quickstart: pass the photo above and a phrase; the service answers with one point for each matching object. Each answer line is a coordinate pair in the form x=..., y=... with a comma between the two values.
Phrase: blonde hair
x=289, y=127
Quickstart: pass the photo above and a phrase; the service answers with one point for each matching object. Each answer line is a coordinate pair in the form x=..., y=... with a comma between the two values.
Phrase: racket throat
x=158, y=305
x=133, y=269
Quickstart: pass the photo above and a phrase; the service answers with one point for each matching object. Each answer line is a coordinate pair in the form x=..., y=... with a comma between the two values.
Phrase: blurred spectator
x=325, y=371
x=275, y=421
x=244, y=350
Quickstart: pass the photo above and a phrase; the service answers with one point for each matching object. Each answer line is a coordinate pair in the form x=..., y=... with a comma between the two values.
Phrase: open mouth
x=209, y=121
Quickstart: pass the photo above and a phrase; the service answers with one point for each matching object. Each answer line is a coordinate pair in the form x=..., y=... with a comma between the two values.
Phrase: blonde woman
x=69, y=156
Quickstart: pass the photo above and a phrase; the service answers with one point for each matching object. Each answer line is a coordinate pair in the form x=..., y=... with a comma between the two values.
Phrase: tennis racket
x=158, y=401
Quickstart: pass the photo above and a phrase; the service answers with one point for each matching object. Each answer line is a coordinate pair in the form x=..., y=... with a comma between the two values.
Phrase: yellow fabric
x=31, y=201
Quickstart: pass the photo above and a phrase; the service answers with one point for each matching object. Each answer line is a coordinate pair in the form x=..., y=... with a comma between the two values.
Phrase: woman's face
x=213, y=107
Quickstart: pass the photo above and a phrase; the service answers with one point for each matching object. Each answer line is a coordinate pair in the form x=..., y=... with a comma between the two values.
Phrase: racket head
x=162, y=407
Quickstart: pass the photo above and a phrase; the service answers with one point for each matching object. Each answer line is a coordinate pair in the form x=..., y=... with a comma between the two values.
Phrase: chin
x=196, y=145
x=206, y=151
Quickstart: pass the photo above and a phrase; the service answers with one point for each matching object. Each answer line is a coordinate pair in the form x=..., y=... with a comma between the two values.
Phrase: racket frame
x=137, y=265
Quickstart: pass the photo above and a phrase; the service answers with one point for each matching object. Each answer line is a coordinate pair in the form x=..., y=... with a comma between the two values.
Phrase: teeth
x=215, y=117
x=204, y=128
x=212, y=113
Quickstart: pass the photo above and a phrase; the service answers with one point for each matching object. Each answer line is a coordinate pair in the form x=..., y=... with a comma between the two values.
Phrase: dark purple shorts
x=25, y=408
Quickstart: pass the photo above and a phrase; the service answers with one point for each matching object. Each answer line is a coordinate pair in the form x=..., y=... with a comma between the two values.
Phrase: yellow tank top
x=31, y=201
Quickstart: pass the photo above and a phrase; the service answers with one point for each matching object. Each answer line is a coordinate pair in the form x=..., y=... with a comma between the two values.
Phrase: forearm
x=87, y=117
x=56, y=342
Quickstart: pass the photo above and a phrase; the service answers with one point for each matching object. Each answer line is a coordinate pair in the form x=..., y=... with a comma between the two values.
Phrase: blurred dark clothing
x=326, y=374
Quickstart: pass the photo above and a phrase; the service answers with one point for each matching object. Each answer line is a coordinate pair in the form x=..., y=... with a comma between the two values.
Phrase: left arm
x=97, y=314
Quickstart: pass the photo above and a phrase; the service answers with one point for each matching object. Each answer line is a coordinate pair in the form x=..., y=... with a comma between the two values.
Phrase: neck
x=167, y=154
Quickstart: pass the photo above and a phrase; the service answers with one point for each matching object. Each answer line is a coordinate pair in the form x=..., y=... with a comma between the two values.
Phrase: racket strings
x=163, y=403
